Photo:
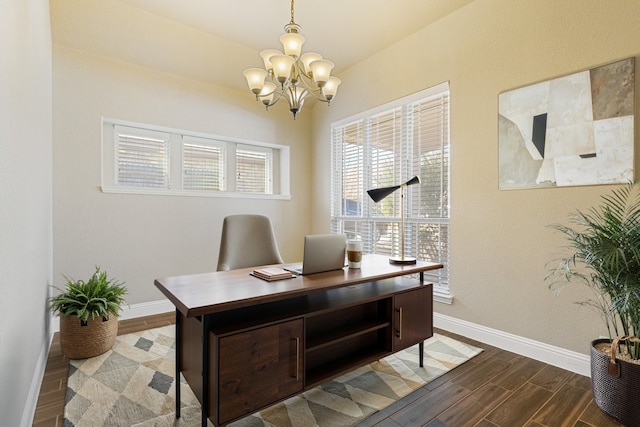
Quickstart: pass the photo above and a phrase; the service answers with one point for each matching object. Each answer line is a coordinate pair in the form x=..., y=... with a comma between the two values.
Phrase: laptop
x=322, y=252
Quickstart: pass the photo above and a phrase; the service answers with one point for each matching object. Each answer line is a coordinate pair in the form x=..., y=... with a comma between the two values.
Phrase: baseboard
x=34, y=388
x=132, y=311
x=556, y=356
x=147, y=309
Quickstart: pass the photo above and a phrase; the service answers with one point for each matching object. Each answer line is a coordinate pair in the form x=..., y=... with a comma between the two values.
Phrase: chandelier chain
x=292, y=21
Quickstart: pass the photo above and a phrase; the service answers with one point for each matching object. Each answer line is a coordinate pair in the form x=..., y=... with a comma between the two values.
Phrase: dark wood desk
x=243, y=343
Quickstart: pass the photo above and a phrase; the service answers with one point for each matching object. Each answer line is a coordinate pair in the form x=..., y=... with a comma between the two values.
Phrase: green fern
x=97, y=297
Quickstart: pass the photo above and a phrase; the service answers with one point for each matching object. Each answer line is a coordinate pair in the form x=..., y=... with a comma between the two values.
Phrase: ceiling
x=215, y=40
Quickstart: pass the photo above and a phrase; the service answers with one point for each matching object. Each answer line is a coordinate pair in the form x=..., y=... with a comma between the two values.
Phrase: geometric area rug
x=132, y=384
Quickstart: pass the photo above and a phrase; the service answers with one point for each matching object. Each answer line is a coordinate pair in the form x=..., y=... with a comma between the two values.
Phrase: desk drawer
x=259, y=367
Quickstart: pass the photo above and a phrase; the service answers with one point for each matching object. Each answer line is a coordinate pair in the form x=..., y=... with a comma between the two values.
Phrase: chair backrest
x=247, y=241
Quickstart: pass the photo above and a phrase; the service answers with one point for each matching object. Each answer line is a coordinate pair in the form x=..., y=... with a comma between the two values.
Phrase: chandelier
x=292, y=76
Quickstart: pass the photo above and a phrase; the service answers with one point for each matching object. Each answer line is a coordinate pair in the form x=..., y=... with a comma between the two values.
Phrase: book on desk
x=272, y=273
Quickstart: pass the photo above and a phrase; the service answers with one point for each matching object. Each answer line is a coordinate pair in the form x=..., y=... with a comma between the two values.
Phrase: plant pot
x=617, y=396
x=81, y=340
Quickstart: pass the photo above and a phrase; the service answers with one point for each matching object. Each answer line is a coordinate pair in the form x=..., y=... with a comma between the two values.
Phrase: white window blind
x=385, y=148
x=253, y=170
x=430, y=160
x=351, y=158
x=147, y=159
x=202, y=164
x=142, y=158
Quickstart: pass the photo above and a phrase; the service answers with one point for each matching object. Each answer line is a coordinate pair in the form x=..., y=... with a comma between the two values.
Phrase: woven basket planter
x=617, y=396
x=81, y=340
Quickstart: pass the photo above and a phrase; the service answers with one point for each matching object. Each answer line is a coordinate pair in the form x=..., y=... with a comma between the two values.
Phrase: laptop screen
x=322, y=252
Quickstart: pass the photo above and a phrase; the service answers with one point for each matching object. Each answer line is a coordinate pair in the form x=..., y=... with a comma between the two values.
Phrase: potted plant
x=88, y=314
x=604, y=255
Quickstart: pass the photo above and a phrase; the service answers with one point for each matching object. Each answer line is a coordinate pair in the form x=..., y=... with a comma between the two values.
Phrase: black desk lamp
x=378, y=194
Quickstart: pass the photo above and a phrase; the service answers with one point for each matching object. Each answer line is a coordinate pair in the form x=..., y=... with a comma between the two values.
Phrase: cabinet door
x=413, y=317
x=259, y=367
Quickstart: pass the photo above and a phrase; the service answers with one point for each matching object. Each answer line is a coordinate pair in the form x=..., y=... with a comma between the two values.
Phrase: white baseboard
x=556, y=356
x=147, y=309
x=29, y=409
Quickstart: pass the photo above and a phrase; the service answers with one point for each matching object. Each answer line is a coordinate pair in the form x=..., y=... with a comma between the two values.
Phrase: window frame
x=363, y=219
x=280, y=167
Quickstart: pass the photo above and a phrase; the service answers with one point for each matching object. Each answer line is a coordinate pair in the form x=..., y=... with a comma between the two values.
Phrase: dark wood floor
x=50, y=406
x=495, y=389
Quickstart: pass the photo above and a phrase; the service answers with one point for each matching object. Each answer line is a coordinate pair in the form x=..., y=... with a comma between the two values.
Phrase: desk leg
x=178, y=360
x=206, y=326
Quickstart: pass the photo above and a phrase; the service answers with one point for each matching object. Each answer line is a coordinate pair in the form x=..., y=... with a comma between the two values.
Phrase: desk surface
x=198, y=294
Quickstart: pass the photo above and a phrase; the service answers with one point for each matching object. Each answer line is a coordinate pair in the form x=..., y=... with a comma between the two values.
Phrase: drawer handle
x=297, y=358
x=399, y=331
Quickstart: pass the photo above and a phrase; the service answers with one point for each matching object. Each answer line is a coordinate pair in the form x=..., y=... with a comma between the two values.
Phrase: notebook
x=322, y=252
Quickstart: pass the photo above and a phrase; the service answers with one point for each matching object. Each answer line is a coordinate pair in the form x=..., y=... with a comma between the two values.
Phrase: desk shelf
x=348, y=322
x=317, y=343
x=346, y=337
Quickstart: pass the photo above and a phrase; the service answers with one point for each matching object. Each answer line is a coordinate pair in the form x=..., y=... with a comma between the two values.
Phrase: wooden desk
x=243, y=343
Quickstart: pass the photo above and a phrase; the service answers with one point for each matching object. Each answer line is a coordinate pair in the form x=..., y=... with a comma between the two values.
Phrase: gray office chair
x=247, y=241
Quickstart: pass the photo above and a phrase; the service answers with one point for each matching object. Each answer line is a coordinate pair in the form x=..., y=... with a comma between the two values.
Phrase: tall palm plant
x=604, y=254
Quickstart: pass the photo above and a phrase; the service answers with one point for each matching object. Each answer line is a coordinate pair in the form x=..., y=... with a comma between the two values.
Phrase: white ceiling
x=163, y=34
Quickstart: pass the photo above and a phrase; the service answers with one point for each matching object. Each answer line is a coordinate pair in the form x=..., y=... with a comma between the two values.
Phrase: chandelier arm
x=303, y=80
x=313, y=89
x=296, y=96
x=299, y=97
x=277, y=95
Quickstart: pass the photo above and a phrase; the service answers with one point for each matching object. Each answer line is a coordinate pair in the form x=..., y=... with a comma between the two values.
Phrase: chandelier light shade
x=378, y=194
x=291, y=75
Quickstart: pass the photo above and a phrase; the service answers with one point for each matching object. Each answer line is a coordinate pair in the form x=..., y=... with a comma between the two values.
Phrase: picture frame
x=577, y=129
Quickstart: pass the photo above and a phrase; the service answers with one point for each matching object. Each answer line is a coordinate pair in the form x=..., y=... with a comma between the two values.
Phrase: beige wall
x=138, y=238
x=500, y=240
x=25, y=204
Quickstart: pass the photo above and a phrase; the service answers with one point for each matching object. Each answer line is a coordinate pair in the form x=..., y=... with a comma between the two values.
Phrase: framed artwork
x=572, y=130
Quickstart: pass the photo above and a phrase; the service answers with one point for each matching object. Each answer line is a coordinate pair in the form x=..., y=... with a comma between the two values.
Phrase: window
x=149, y=159
x=253, y=170
x=142, y=158
x=202, y=164
x=387, y=146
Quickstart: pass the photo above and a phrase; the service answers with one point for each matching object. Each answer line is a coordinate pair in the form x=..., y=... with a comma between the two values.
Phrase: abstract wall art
x=572, y=130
